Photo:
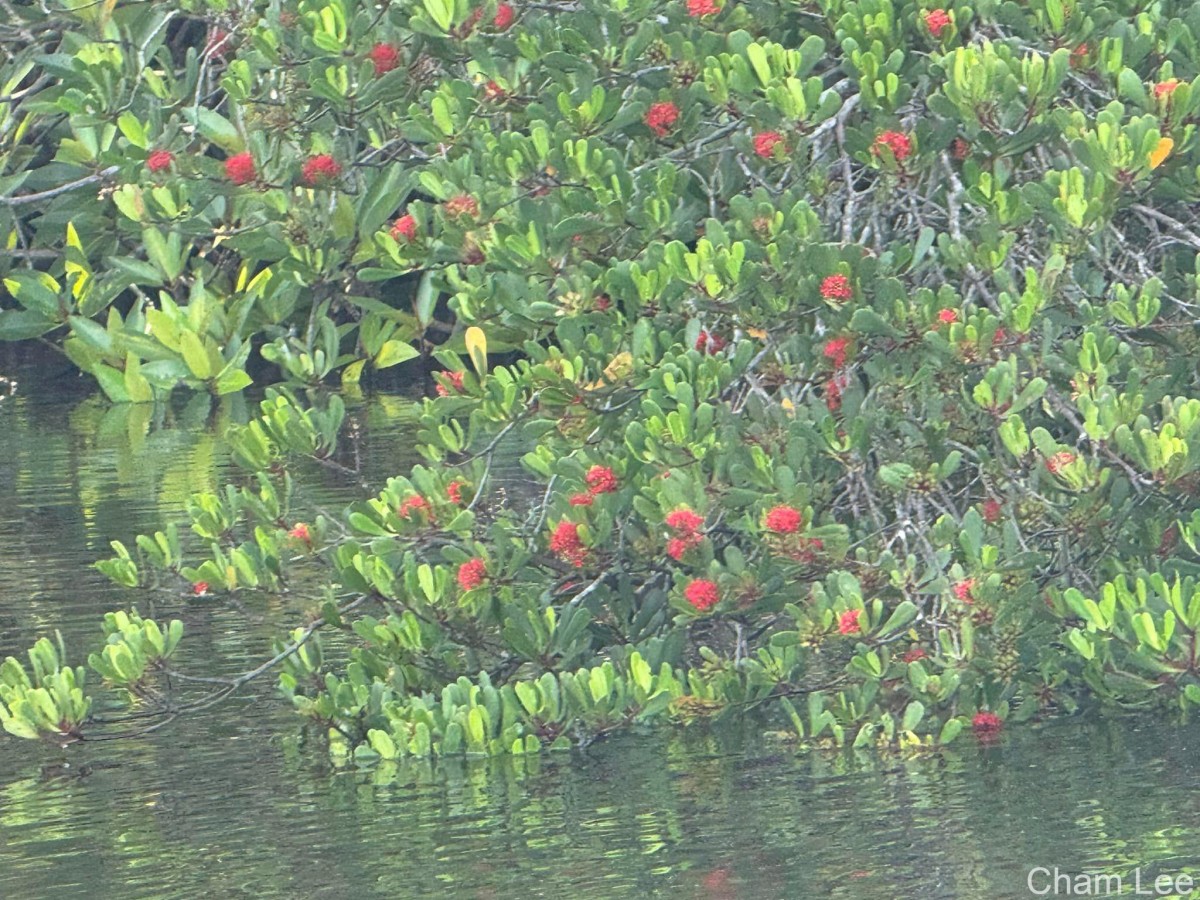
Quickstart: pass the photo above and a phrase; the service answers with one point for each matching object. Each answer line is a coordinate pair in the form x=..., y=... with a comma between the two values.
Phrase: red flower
x=961, y=149
x=300, y=533
x=493, y=91
x=455, y=380
x=454, y=491
x=405, y=227
x=684, y=520
x=565, y=541
x=765, y=143
x=1079, y=55
x=462, y=205
x=986, y=723
x=991, y=510
x=848, y=622
x=415, y=503
x=661, y=117
x=710, y=343
x=833, y=391
x=472, y=574
x=698, y=8
x=914, y=654
x=219, y=42
x=159, y=160
x=836, y=350
x=677, y=547
x=963, y=590
x=602, y=302
x=601, y=480
x=937, y=21
x=1059, y=461
x=1164, y=89
x=702, y=594
x=320, y=169
x=504, y=16
x=900, y=144
x=836, y=287
x=784, y=520
x=948, y=316
x=200, y=588
x=582, y=499
x=385, y=57
x=240, y=168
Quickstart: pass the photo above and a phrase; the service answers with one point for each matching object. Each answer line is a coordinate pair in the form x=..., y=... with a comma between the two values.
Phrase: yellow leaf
x=477, y=349
x=73, y=238
x=1161, y=152
x=758, y=334
x=620, y=367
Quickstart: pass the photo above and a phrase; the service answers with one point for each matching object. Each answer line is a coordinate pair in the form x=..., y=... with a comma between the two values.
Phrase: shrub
x=924, y=278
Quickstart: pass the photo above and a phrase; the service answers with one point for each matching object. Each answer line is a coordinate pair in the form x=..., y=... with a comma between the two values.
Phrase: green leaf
x=194, y=354
x=394, y=352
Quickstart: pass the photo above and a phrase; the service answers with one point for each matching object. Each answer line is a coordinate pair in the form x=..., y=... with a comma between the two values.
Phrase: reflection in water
x=241, y=802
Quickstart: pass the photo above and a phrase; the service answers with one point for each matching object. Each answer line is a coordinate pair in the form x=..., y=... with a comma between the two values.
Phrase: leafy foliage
x=846, y=347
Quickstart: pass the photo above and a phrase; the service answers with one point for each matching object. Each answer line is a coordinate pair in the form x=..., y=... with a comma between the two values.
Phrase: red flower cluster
x=833, y=391
x=991, y=510
x=300, y=533
x=914, y=653
x=848, y=622
x=964, y=590
x=462, y=205
x=472, y=574
x=677, y=547
x=584, y=498
x=960, y=148
x=710, y=343
x=453, y=382
x=385, y=57
x=239, y=168
x=948, y=316
x=836, y=350
x=702, y=594
x=684, y=520
x=784, y=520
x=504, y=16
x=405, y=227
x=1165, y=89
x=765, y=143
x=415, y=503
x=900, y=144
x=806, y=550
x=493, y=91
x=565, y=541
x=661, y=117
x=686, y=525
x=601, y=480
x=937, y=21
x=836, y=287
x=698, y=8
x=454, y=491
x=1059, y=461
x=159, y=160
x=986, y=723
x=1079, y=56
x=200, y=588
x=219, y=42
x=320, y=169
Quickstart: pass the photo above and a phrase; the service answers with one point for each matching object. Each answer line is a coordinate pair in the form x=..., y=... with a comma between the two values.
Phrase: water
x=240, y=801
